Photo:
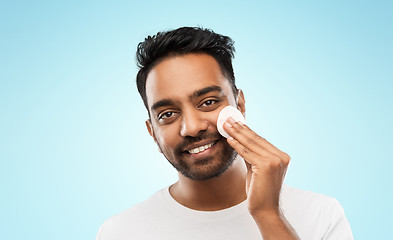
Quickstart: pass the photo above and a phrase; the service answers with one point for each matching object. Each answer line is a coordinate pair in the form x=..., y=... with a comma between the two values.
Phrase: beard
x=206, y=168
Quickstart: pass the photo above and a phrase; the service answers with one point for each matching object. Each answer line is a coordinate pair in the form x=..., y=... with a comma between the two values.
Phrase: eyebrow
x=206, y=90
x=162, y=103
x=196, y=94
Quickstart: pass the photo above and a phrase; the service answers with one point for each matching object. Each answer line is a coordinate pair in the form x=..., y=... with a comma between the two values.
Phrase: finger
x=263, y=166
x=248, y=156
x=248, y=138
x=253, y=141
x=244, y=136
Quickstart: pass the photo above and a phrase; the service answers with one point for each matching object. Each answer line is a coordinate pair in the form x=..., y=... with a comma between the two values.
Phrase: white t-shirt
x=313, y=216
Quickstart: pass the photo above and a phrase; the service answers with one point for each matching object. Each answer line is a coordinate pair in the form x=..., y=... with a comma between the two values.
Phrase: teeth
x=201, y=148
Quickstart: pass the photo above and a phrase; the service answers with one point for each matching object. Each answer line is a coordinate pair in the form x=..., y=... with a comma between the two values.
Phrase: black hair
x=182, y=41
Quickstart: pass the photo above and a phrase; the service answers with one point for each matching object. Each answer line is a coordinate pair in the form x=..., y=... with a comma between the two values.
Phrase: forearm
x=274, y=226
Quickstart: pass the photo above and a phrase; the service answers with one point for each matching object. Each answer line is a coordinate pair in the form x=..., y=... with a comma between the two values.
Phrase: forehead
x=179, y=76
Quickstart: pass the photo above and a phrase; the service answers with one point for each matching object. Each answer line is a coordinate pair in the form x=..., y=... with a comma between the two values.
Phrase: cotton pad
x=225, y=113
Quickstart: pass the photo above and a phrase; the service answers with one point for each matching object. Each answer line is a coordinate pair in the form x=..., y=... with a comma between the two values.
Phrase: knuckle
x=250, y=141
x=273, y=163
x=270, y=166
x=286, y=158
x=276, y=162
x=245, y=150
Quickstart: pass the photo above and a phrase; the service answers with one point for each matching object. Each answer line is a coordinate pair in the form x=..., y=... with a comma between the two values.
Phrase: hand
x=266, y=168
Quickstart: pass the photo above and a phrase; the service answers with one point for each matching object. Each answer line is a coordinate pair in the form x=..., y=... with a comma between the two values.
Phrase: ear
x=149, y=127
x=241, y=102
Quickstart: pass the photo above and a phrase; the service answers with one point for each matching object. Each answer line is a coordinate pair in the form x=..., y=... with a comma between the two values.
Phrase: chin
x=205, y=168
x=209, y=168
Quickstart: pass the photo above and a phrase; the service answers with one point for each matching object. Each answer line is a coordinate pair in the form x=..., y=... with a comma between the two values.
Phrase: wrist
x=267, y=215
x=273, y=225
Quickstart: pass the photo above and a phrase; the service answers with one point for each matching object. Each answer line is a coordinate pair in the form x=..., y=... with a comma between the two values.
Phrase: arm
x=274, y=226
x=266, y=168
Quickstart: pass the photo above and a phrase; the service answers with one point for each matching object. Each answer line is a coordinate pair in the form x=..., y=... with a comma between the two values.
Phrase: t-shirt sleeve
x=101, y=235
x=107, y=231
x=338, y=227
x=98, y=236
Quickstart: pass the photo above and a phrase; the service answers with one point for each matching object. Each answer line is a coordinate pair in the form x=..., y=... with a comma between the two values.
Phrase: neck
x=214, y=194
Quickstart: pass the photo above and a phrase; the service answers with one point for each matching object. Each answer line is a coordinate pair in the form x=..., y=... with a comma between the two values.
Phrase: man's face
x=185, y=95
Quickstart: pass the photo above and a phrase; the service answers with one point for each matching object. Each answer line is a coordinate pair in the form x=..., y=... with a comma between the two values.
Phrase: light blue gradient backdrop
x=317, y=76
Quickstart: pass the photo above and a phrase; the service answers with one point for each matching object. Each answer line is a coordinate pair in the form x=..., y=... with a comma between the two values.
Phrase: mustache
x=188, y=140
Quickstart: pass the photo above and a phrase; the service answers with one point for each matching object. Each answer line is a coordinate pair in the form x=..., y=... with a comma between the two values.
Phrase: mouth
x=201, y=148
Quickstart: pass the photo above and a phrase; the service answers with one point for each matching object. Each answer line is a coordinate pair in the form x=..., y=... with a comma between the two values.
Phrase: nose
x=193, y=123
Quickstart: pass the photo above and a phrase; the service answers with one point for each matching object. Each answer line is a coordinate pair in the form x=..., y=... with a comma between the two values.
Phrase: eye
x=165, y=115
x=209, y=102
x=209, y=105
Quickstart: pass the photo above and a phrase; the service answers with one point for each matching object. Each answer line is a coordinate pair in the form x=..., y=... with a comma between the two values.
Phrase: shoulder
x=299, y=201
x=293, y=196
x=132, y=220
x=314, y=213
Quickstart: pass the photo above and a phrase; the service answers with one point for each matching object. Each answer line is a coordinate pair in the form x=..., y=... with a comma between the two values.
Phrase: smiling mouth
x=201, y=148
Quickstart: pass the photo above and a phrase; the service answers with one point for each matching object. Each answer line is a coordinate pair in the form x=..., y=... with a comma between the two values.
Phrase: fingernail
x=227, y=125
x=231, y=120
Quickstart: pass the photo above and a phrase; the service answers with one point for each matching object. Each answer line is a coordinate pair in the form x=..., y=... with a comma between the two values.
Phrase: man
x=227, y=188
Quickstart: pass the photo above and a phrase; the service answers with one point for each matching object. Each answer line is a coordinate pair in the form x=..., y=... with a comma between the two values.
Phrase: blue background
x=74, y=150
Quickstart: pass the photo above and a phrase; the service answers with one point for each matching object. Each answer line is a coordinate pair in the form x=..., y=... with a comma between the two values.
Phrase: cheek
x=212, y=118
x=166, y=136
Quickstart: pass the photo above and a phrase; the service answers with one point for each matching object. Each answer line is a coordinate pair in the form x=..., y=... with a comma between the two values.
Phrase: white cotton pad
x=225, y=113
